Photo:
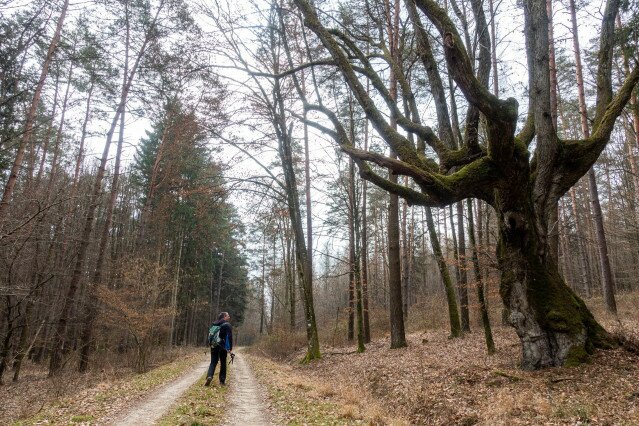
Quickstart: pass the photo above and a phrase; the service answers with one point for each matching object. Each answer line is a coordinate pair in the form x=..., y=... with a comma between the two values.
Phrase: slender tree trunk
x=367, y=327
x=493, y=48
x=175, y=289
x=47, y=135
x=607, y=281
x=351, y=274
x=463, y=275
x=309, y=209
x=485, y=319
x=553, y=228
x=290, y=277
x=31, y=113
x=293, y=201
x=406, y=249
x=410, y=288
x=22, y=343
x=354, y=271
x=451, y=297
x=5, y=350
x=273, y=295
x=398, y=336
x=263, y=286
x=61, y=328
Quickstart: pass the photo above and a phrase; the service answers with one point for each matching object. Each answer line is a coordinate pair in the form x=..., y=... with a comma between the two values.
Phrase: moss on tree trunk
x=553, y=324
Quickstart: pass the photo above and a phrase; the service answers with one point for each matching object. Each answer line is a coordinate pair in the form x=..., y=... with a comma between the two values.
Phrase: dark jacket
x=226, y=334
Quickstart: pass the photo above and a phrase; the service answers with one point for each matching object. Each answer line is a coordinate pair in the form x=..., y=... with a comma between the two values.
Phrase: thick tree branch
x=604, y=70
x=471, y=138
x=547, y=143
x=527, y=133
x=424, y=132
x=425, y=53
x=461, y=68
x=475, y=180
x=400, y=144
x=578, y=156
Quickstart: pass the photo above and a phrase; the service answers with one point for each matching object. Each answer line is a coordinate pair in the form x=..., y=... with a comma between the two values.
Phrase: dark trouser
x=218, y=354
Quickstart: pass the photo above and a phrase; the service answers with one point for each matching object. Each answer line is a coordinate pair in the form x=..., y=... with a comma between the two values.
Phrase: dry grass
x=442, y=381
x=84, y=398
x=200, y=405
x=297, y=399
x=453, y=382
x=280, y=344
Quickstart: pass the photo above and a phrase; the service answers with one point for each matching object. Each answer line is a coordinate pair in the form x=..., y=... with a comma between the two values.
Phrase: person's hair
x=222, y=315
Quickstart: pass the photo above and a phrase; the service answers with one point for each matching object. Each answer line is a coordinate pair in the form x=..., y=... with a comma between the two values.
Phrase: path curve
x=152, y=408
x=246, y=398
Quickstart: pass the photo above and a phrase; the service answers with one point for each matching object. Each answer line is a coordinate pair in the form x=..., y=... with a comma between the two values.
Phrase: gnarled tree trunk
x=554, y=325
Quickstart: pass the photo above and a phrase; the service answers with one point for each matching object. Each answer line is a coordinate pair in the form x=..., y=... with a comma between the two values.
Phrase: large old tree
x=521, y=174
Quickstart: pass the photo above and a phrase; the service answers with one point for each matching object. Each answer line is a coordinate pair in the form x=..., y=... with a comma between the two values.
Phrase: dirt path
x=246, y=398
x=151, y=409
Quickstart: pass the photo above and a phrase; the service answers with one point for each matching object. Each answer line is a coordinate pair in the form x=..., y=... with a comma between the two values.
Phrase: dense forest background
x=160, y=163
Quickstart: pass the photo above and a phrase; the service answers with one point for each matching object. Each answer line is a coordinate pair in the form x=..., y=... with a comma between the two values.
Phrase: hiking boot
x=208, y=381
x=222, y=384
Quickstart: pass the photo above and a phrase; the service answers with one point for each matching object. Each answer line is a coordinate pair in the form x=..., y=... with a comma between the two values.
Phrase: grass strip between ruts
x=200, y=405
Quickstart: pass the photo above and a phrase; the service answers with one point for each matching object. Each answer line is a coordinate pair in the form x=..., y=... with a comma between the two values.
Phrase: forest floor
x=433, y=381
x=170, y=394
x=442, y=381
x=98, y=397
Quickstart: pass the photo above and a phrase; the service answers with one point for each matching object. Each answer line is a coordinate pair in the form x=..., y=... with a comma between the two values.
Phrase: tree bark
x=367, y=327
x=175, y=289
x=405, y=250
x=483, y=309
x=309, y=209
x=61, y=329
x=355, y=287
x=301, y=252
x=92, y=306
x=31, y=113
x=554, y=325
x=451, y=297
x=607, y=281
x=263, y=285
x=398, y=336
x=5, y=350
x=463, y=275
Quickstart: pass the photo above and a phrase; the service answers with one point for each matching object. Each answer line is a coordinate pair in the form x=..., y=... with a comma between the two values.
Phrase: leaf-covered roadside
x=298, y=399
x=441, y=381
x=102, y=402
x=200, y=405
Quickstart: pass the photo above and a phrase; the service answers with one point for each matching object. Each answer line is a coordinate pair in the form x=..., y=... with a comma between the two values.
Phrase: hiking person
x=221, y=342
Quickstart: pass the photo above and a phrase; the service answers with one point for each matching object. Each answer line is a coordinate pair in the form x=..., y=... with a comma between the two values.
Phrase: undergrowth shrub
x=280, y=344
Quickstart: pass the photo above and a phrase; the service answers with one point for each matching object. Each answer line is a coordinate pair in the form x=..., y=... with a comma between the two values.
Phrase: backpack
x=214, y=335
